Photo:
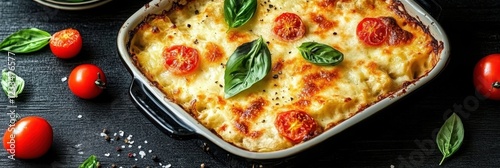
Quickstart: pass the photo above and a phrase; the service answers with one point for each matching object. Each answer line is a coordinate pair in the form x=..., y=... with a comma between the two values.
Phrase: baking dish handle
x=158, y=114
x=431, y=6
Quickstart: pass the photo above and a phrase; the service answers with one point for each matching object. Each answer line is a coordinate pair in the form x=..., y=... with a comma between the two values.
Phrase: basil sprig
x=450, y=136
x=25, y=41
x=12, y=84
x=90, y=162
x=249, y=63
x=239, y=12
x=320, y=54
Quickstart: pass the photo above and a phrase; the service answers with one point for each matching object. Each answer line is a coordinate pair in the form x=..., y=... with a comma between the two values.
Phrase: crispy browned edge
x=397, y=7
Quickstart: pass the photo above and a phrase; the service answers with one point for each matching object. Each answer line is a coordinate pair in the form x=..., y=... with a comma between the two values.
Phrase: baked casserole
x=291, y=71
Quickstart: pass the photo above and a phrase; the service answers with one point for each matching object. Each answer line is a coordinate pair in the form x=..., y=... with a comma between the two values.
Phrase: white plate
x=65, y=2
x=72, y=7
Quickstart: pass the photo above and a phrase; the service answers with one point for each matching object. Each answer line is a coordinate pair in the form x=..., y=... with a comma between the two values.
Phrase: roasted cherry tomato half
x=486, y=76
x=87, y=81
x=372, y=31
x=295, y=125
x=180, y=59
x=28, y=138
x=66, y=43
x=289, y=27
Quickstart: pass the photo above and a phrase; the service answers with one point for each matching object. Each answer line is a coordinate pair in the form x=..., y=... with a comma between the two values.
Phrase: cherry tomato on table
x=295, y=125
x=87, y=81
x=289, y=27
x=28, y=138
x=487, y=76
x=180, y=59
x=66, y=43
x=372, y=31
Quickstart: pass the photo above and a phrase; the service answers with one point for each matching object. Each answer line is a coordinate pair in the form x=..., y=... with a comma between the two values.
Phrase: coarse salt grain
x=150, y=151
x=142, y=153
x=123, y=146
x=103, y=134
x=121, y=133
x=106, y=154
x=79, y=116
x=63, y=79
x=80, y=152
x=139, y=147
x=168, y=165
x=129, y=146
x=145, y=142
x=129, y=137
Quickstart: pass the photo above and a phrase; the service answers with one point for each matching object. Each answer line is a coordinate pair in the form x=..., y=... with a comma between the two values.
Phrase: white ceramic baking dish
x=177, y=123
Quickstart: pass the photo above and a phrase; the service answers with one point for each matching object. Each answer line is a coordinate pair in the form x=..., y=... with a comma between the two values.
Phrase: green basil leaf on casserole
x=249, y=64
x=320, y=54
x=239, y=12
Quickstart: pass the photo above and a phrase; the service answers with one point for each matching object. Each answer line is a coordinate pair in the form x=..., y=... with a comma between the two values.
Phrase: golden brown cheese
x=330, y=94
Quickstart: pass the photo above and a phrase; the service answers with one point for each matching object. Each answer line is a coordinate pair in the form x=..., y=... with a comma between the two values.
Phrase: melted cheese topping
x=330, y=94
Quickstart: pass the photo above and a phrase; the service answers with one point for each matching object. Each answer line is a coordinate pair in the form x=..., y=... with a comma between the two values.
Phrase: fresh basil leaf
x=320, y=54
x=25, y=41
x=90, y=162
x=450, y=136
x=12, y=84
x=239, y=12
x=249, y=63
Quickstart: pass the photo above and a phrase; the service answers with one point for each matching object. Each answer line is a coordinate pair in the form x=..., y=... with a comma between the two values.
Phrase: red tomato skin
x=486, y=73
x=66, y=43
x=180, y=59
x=295, y=125
x=29, y=138
x=372, y=31
x=82, y=79
x=289, y=27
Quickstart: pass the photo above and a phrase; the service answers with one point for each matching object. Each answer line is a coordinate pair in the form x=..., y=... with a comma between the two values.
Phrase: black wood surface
x=401, y=135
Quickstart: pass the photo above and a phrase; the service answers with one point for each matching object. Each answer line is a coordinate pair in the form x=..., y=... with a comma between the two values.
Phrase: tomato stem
x=99, y=82
x=496, y=84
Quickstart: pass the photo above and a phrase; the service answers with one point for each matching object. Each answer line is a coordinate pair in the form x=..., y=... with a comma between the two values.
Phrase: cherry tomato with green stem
x=87, y=81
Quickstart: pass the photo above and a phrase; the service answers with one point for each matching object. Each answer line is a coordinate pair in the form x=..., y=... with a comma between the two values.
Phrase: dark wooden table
x=399, y=136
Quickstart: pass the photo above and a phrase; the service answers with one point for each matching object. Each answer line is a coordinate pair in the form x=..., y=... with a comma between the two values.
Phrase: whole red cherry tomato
x=87, y=81
x=66, y=43
x=486, y=76
x=28, y=138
